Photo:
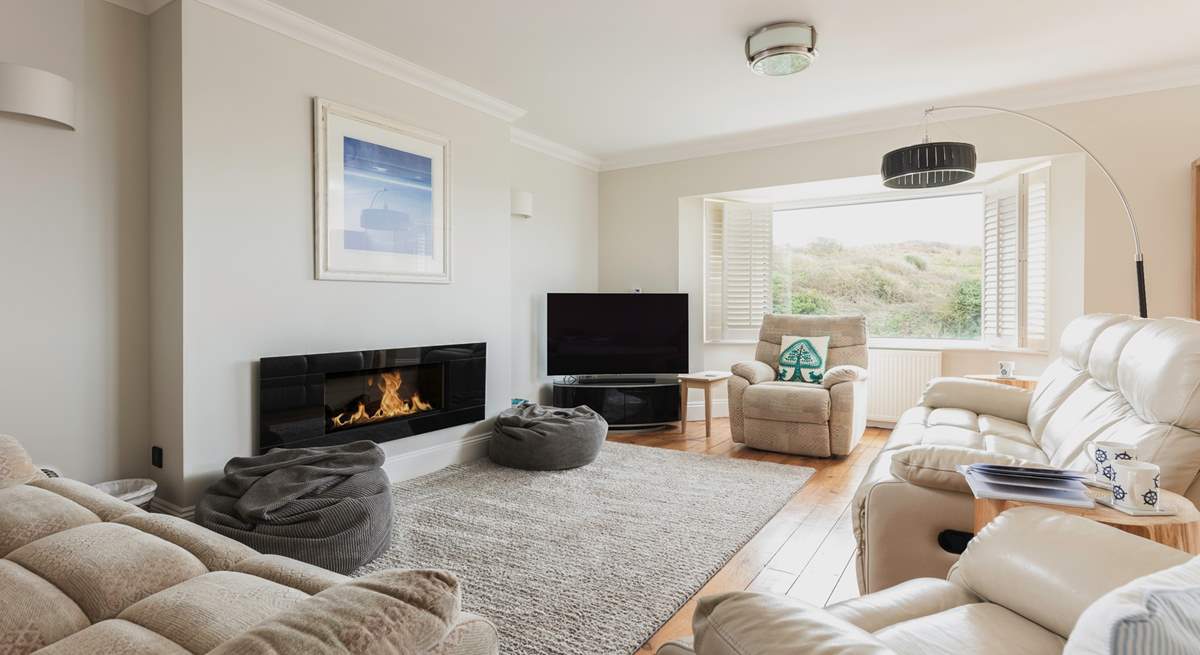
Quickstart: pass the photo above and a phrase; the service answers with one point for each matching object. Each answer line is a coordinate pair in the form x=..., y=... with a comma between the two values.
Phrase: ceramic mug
x=1105, y=454
x=1008, y=369
x=1136, y=485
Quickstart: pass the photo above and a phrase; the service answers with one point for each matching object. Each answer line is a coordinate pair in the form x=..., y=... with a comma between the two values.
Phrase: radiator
x=896, y=380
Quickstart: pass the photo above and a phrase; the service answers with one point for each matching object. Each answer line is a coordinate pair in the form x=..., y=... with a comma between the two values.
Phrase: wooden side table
x=1181, y=531
x=705, y=381
x=1019, y=381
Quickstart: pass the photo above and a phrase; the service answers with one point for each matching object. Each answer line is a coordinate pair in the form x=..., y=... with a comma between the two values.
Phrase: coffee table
x=706, y=381
x=1180, y=530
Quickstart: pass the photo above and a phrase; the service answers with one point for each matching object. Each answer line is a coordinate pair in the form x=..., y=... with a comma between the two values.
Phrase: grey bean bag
x=330, y=506
x=530, y=436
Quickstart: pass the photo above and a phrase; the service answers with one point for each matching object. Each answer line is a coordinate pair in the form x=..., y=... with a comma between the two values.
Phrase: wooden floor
x=805, y=551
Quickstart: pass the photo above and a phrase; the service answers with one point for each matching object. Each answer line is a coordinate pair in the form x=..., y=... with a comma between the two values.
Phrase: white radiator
x=896, y=380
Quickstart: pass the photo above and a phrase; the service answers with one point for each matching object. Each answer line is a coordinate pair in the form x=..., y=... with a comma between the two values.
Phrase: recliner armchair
x=800, y=418
x=1116, y=378
x=1033, y=582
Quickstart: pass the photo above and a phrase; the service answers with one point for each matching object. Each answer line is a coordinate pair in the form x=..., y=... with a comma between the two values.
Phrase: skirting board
x=695, y=410
x=165, y=507
x=433, y=458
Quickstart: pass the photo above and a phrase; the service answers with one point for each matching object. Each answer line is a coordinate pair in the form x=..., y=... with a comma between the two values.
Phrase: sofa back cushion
x=847, y=337
x=15, y=465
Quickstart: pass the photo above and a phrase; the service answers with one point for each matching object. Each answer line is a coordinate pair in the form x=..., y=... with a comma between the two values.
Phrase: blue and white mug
x=1106, y=454
x=1136, y=485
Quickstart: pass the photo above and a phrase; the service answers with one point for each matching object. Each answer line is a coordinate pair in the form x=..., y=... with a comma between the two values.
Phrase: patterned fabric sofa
x=82, y=572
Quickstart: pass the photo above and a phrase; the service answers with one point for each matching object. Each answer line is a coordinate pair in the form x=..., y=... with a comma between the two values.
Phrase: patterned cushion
x=15, y=465
x=1169, y=625
x=802, y=359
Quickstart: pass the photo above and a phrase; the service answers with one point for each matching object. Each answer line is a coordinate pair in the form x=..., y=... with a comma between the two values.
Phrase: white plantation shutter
x=1037, y=227
x=1001, y=302
x=1015, y=283
x=737, y=269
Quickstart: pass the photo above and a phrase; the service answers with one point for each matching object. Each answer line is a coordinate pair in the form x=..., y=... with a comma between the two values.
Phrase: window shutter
x=1001, y=302
x=1037, y=225
x=737, y=269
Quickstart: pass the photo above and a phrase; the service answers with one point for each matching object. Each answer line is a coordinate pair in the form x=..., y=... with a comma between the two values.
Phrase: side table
x=1019, y=381
x=706, y=381
x=1180, y=530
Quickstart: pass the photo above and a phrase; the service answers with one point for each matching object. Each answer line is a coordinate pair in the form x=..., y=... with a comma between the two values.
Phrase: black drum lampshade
x=928, y=165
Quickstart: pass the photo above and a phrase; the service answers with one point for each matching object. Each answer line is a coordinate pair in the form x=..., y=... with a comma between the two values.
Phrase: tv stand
x=624, y=402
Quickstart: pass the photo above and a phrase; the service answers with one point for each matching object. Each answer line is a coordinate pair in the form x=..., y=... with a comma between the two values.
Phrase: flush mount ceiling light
x=781, y=49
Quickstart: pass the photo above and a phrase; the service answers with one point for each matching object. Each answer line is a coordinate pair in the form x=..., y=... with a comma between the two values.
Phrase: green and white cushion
x=802, y=359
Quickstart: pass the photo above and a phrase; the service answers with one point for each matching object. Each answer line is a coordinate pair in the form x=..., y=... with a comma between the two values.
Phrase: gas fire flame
x=391, y=404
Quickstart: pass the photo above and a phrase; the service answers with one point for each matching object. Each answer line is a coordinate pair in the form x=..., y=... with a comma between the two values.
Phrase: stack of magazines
x=1035, y=485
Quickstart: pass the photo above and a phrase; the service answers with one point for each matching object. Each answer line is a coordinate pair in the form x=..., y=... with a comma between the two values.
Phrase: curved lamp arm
x=1137, y=240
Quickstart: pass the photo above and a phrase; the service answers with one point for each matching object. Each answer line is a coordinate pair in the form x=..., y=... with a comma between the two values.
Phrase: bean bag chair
x=330, y=506
x=530, y=436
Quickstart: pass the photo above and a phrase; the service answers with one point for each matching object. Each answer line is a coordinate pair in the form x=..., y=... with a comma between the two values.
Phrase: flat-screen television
x=616, y=333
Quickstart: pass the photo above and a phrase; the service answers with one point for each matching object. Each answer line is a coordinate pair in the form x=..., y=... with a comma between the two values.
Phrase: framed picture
x=382, y=194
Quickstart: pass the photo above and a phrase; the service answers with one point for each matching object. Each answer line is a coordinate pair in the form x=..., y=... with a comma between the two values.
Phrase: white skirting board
x=427, y=460
x=695, y=410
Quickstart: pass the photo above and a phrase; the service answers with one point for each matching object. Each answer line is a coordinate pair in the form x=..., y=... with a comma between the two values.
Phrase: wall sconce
x=37, y=93
x=522, y=203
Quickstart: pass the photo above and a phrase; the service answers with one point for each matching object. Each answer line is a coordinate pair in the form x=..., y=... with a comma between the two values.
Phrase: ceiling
x=633, y=81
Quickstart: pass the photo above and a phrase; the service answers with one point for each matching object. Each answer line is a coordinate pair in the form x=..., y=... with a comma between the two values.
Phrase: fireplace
x=332, y=398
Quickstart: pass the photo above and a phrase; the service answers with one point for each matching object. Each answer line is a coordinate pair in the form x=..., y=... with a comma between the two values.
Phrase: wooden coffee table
x=1181, y=530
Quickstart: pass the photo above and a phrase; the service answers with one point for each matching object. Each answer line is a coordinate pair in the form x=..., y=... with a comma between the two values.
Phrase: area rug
x=591, y=560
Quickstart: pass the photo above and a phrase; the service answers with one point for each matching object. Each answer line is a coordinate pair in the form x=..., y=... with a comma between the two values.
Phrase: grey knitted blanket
x=330, y=506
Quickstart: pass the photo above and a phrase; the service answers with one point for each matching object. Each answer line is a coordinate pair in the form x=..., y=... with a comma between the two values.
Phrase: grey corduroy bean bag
x=530, y=436
x=330, y=505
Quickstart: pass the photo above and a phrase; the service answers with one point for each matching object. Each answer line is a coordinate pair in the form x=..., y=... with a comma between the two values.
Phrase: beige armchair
x=1033, y=582
x=799, y=418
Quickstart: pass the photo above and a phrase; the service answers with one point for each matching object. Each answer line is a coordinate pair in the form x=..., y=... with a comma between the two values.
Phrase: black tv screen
x=616, y=333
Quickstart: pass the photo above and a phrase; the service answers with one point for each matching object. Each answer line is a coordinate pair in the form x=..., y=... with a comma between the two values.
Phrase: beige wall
x=73, y=245
x=556, y=250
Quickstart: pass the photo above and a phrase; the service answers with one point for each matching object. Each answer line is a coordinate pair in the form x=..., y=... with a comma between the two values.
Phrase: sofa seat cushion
x=962, y=428
x=28, y=513
x=33, y=612
x=201, y=613
x=115, y=636
x=1005, y=429
x=106, y=567
x=1002, y=446
x=747, y=623
x=979, y=629
x=796, y=402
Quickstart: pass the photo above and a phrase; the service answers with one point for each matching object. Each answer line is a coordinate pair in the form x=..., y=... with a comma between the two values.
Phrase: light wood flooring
x=805, y=551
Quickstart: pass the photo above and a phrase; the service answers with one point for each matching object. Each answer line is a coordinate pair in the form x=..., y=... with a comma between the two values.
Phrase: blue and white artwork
x=382, y=198
x=388, y=199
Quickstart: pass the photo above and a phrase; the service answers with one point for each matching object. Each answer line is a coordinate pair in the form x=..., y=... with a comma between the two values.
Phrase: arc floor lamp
x=927, y=165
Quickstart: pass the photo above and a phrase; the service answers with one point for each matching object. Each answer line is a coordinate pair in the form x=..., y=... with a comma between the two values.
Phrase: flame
x=391, y=404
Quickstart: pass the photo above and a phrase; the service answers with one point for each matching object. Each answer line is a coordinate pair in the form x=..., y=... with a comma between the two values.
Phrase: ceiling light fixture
x=781, y=49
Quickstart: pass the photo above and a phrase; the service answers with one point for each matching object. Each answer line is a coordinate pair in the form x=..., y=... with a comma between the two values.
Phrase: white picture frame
x=363, y=165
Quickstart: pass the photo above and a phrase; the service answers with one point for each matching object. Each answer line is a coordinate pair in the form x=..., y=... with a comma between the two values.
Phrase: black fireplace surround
x=334, y=398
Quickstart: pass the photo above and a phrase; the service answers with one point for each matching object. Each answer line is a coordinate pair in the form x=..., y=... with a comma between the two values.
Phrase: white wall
x=556, y=250
x=73, y=248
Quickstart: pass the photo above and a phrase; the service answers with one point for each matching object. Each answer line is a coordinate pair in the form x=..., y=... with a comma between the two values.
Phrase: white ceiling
x=630, y=81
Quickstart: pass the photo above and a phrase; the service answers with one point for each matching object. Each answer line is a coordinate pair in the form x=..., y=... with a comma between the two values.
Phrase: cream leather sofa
x=84, y=573
x=819, y=420
x=1033, y=582
x=1116, y=378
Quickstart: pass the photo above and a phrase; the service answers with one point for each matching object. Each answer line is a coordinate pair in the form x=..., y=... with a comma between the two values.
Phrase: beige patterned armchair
x=800, y=418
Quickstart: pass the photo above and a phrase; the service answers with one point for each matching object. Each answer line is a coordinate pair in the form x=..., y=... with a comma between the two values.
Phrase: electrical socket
x=156, y=456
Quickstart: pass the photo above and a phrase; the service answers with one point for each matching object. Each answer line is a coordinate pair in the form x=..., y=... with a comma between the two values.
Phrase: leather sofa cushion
x=908, y=600
x=1106, y=351
x=1159, y=373
x=1075, y=344
x=978, y=396
x=747, y=623
x=935, y=467
x=978, y=629
x=797, y=402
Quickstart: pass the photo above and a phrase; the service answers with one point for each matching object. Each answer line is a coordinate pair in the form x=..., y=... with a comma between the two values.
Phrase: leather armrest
x=754, y=371
x=979, y=396
x=843, y=373
x=936, y=466
x=908, y=600
x=747, y=623
x=1048, y=566
x=401, y=611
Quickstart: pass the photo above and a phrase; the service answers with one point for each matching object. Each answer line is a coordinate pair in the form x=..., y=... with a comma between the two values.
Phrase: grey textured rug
x=591, y=560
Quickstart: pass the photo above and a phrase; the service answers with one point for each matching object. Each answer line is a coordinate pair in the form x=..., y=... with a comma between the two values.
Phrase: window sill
x=890, y=343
